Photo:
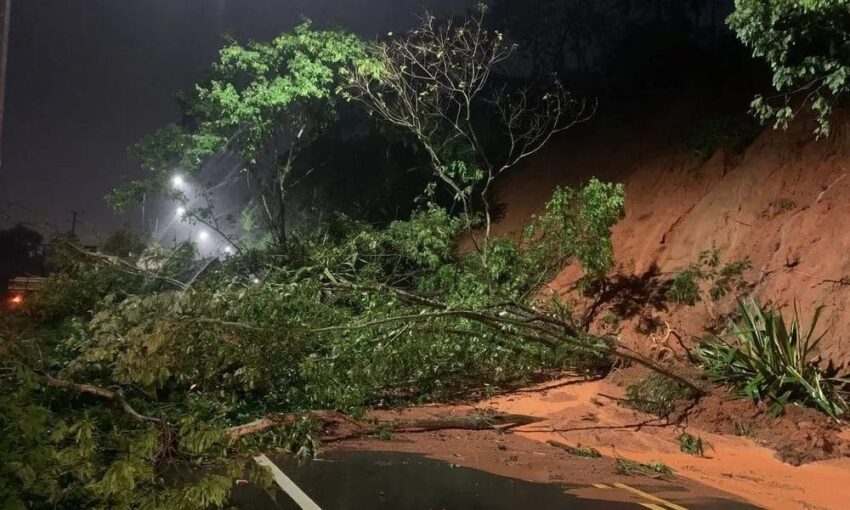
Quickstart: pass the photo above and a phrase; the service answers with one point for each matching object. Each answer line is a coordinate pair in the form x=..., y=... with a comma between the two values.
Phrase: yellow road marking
x=652, y=506
x=650, y=497
x=601, y=486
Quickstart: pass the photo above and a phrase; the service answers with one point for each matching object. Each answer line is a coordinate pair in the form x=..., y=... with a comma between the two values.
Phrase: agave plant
x=768, y=360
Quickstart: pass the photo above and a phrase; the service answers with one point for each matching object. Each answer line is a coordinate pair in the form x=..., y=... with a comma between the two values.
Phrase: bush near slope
x=769, y=360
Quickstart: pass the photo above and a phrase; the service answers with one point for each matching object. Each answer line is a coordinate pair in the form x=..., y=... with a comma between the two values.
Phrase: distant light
x=203, y=236
x=228, y=250
x=255, y=280
x=181, y=211
x=17, y=299
x=177, y=181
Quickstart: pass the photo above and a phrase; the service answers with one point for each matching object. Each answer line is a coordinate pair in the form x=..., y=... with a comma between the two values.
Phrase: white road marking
x=284, y=482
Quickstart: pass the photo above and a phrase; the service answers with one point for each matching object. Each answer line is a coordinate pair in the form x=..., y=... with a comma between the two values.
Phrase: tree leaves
x=806, y=45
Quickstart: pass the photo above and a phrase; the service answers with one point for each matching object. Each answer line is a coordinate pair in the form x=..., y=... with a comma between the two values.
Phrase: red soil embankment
x=784, y=203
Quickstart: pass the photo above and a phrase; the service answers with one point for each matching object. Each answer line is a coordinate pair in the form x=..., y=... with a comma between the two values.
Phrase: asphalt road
x=359, y=480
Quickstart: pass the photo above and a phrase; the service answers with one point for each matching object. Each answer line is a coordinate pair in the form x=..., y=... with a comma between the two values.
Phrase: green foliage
x=806, y=45
x=690, y=444
x=578, y=223
x=719, y=280
x=153, y=355
x=344, y=320
x=655, y=468
x=428, y=239
x=657, y=394
x=733, y=133
x=684, y=288
x=255, y=90
x=265, y=102
x=770, y=360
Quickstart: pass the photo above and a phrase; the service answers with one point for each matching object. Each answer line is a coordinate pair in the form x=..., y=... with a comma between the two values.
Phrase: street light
x=228, y=250
x=203, y=236
x=181, y=211
x=177, y=181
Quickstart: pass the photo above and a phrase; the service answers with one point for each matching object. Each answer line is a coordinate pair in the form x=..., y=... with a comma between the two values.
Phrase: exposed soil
x=798, y=436
x=782, y=203
x=587, y=413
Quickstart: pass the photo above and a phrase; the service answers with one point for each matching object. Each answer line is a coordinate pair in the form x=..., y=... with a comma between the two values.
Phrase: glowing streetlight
x=255, y=280
x=203, y=236
x=228, y=250
x=181, y=212
x=177, y=181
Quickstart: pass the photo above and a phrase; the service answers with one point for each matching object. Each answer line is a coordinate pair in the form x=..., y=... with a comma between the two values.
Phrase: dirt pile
x=782, y=203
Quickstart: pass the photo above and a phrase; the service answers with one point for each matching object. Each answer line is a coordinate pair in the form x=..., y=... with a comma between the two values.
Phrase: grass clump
x=769, y=360
x=657, y=394
x=656, y=468
x=690, y=444
x=707, y=279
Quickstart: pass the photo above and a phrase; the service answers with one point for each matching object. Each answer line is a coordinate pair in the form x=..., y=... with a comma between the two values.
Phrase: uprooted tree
x=143, y=381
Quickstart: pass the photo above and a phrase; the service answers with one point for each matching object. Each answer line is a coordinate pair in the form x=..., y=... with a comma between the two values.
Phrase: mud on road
x=576, y=413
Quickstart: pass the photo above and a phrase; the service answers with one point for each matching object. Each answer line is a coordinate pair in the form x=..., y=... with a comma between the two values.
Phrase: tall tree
x=437, y=83
x=265, y=102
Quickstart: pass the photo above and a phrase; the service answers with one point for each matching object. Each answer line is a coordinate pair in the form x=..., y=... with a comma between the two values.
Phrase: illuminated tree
x=265, y=102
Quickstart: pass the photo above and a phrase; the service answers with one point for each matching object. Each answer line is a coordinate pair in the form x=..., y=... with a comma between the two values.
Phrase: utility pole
x=74, y=215
x=5, y=13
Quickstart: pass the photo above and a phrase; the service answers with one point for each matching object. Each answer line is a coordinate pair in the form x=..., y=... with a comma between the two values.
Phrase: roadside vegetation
x=139, y=368
x=806, y=46
x=654, y=469
x=767, y=359
x=658, y=395
x=146, y=375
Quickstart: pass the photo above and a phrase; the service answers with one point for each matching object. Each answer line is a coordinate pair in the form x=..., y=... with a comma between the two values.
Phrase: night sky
x=87, y=78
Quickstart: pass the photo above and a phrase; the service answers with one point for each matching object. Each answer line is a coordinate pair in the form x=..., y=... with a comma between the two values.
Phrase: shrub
x=578, y=223
x=690, y=444
x=657, y=394
x=686, y=287
x=769, y=360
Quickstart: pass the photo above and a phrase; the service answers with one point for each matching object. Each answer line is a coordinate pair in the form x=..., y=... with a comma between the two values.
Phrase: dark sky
x=87, y=78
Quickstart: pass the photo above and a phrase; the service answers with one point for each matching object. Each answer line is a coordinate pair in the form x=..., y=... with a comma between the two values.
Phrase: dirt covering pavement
x=586, y=413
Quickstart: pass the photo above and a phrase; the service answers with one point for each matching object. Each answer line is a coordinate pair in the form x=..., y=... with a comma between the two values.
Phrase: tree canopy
x=265, y=102
x=807, y=46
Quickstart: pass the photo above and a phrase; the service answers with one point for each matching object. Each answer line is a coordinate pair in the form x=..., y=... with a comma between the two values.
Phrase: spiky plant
x=769, y=360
